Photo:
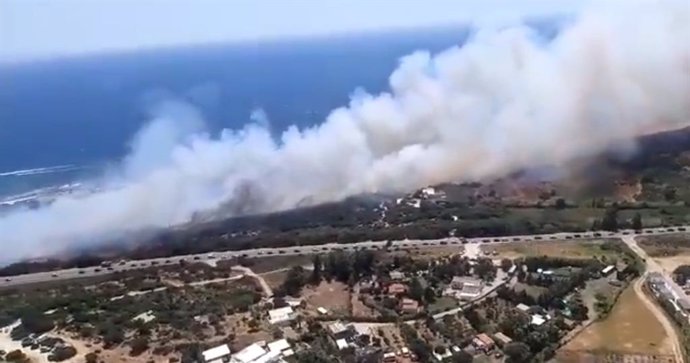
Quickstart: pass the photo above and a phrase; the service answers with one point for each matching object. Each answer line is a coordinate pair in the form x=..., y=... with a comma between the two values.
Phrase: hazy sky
x=36, y=29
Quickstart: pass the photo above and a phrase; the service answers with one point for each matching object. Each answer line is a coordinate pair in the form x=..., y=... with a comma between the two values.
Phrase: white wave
x=46, y=170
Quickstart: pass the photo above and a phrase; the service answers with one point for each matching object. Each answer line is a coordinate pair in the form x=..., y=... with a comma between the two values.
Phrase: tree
x=670, y=193
x=138, y=345
x=15, y=356
x=506, y=264
x=560, y=203
x=637, y=222
x=36, y=322
x=294, y=281
x=62, y=353
x=610, y=220
x=462, y=357
x=485, y=269
x=517, y=352
x=429, y=295
x=91, y=357
x=112, y=336
x=316, y=272
x=416, y=289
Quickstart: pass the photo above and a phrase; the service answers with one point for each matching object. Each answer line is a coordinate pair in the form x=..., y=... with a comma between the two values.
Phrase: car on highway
x=54, y=274
x=7, y=279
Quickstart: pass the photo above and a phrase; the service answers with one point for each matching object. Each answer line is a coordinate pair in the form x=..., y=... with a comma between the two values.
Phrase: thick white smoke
x=502, y=102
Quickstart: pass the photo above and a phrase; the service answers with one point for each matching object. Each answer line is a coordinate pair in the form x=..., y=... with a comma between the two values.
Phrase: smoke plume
x=504, y=101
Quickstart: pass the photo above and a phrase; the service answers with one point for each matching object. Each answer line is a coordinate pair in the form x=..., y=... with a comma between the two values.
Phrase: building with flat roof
x=396, y=289
x=608, y=269
x=408, y=306
x=281, y=315
x=483, y=342
x=217, y=354
x=502, y=339
x=263, y=353
x=523, y=307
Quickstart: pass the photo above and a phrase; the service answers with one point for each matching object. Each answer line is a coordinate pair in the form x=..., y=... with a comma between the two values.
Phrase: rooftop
x=522, y=307
x=249, y=354
x=215, y=353
x=337, y=327
x=280, y=314
x=279, y=345
x=504, y=339
x=485, y=339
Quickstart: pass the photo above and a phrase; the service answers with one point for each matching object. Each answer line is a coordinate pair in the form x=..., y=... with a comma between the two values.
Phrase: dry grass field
x=566, y=249
x=630, y=328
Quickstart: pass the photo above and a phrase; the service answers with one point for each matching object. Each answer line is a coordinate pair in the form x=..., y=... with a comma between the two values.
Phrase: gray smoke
x=502, y=102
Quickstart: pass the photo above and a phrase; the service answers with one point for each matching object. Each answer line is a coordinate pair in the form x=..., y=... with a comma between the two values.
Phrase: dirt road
x=264, y=285
x=660, y=315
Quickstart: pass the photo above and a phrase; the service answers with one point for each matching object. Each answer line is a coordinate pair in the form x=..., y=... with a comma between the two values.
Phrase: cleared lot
x=630, y=328
x=565, y=249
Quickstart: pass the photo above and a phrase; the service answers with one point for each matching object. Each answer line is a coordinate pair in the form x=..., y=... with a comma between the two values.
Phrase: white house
x=217, y=354
x=281, y=315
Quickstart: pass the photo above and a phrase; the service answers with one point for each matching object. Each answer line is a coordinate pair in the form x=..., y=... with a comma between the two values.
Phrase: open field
x=333, y=296
x=564, y=249
x=275, y=279
x=666, y=245
x=671, y=263
x=266, y=264
x=629, y=328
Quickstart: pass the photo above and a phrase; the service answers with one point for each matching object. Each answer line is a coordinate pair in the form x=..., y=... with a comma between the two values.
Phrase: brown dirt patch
x=630, y=328
x=564, y=249
x=267, y=264
x=275, y=279
x=665, y=245
x=333, y=296
x=671, y=263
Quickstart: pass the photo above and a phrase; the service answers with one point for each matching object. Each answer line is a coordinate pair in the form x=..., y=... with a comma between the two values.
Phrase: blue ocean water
x=79, y=113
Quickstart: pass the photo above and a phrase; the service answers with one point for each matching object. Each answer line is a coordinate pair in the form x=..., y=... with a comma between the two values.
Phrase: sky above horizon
x=44, y=29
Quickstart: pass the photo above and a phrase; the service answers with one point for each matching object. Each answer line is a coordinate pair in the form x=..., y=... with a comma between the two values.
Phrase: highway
x=94, y=271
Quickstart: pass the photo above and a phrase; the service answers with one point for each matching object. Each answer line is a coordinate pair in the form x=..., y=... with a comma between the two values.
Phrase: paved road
x=313, y=249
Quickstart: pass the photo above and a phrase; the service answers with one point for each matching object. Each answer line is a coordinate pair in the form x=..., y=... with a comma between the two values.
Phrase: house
x=342, y=344
x=607, y=270
x=408, y=306
x=321, y=310
x=249, y=354
x=459, y=282
x=389, y=357
x=279, y=345
x=538, y=319
x=281, y=315
x=428, y=191
x=396, y=289
x=338, y=331
x=260, y=352
x=483, y=342
x=468, y=288
x=522, y=307
x=502, y=339
x=443, y=356
x=396, y=275
x=469, y=292
x=218, y=354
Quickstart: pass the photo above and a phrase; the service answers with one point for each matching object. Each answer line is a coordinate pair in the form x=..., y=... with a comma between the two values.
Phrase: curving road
x=74, y=273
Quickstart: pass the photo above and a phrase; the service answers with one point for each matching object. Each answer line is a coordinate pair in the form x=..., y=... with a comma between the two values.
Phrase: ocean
x=62, y=121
